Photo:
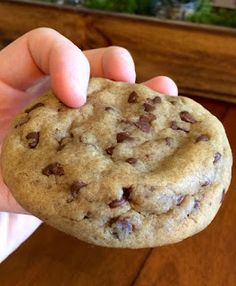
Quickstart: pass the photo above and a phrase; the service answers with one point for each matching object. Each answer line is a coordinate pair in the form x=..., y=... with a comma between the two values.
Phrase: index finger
x=45, y=52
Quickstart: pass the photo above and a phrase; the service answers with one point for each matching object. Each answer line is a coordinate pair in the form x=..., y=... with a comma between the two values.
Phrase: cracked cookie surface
x=131, y=168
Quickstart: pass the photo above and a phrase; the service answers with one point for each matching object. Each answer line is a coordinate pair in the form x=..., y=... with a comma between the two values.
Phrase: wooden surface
x=202, y=60
x=51, y=258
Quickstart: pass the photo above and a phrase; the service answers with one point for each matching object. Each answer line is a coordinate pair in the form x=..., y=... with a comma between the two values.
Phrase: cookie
x=131, y=168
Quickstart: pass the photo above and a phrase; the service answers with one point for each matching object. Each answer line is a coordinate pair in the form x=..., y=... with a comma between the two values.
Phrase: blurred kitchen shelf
x=200, y=58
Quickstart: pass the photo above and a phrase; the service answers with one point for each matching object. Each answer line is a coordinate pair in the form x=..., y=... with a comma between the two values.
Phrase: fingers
x=163, y=85
x=114, y=63
x=45, y=52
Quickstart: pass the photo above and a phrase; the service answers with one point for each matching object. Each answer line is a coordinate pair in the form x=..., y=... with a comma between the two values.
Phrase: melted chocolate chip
x=37, y=105
x=53, y=169
x=123, y=200
x=110, y=150
x=217, y=157
x=126, y=192
x=222, y=196
x=131, y=161
x=108, y=108
x=154, y=100
x=117, y=203
x=144, y=122
x=133, y=97
x=148, y=107
x=187, y=117
x=169, y=141
x=123, y=136
x=174, y=126
x=179, y=200
x=33, y=139
x=122, y=227
x=75, y=188
x=202, y=137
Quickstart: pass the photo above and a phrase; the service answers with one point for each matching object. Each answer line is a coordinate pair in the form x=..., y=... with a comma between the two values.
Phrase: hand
x=43, y=58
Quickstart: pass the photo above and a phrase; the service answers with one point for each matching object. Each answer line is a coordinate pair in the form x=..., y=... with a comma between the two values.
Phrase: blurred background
x=215, y=12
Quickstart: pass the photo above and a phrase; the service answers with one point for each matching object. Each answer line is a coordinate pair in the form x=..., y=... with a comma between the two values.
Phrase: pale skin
x=42, y=53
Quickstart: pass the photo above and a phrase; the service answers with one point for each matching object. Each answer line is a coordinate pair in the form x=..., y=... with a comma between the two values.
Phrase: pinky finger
x=163, y=85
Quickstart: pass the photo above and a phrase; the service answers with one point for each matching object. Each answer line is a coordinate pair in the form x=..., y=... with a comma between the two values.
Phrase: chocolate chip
x=88, y=215
x=187, y=117
x=117, y=203
x=126, y=192
x=37, y=105
x=108, y=108
x=148, y=107
x=53, y=169
x=133, y=97
x=131, y=161
x=33, y=139
x=216, y=157
x=154, y=100
x=75, y=188
x=123, y=136
x=144, y=122
x=222, y=196
x=196, y=204
x=169, y=141
x=124, y=198
x=122, y=227
x=202, y=137
x=206, y=183
x=174, y=126
x=179, y=200
x=22, y=122
x=110, y=150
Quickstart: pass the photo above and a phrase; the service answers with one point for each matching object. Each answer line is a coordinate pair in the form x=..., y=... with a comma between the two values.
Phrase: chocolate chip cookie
x=131, y=168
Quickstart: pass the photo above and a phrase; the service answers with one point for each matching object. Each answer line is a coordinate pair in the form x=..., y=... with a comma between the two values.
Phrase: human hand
x=43, y=58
